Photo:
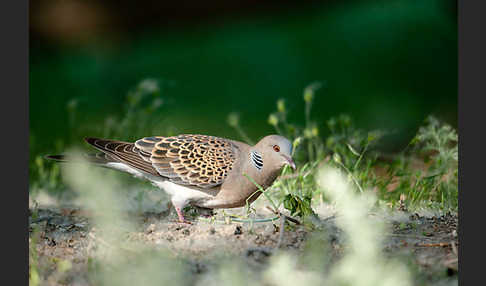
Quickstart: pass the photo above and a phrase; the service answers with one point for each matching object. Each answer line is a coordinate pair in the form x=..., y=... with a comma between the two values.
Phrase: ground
x=67, y=234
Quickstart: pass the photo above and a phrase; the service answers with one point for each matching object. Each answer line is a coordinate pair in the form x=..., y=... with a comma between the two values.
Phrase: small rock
x=150, y=228
x=238, y=230
x=258, y=239
x=51, y=242
x=451, y=272
x=212, y=230
x=186, y=232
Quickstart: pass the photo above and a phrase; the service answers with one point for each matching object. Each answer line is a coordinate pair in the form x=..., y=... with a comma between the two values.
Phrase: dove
x=204, y=171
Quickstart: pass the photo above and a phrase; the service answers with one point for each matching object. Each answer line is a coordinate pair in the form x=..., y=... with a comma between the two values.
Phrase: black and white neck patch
x=256, y=159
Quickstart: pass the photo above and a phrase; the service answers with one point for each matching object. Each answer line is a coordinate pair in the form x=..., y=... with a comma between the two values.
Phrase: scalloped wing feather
x=198, y=160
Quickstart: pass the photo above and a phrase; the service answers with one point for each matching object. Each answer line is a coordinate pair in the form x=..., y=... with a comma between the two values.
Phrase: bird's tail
x=95, y=158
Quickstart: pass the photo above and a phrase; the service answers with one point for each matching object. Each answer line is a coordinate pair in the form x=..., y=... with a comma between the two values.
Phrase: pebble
x=150, y=228
x=238, y=230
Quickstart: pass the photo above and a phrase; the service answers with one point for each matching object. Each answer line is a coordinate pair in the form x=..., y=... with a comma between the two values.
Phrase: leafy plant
x=435, y=184
x=355, y=151
x=297, y=206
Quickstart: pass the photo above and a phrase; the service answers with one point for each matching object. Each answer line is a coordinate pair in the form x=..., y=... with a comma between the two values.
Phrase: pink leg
x=181, y=216
x=179, y=205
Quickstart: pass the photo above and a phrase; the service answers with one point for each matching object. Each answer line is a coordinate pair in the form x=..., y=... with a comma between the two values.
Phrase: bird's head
x=274, y=151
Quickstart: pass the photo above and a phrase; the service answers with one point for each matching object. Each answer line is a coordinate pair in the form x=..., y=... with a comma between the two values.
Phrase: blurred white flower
x=149, y=85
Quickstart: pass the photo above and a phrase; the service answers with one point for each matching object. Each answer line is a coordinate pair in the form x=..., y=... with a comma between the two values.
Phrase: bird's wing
x=124, y=152
x=197, y=160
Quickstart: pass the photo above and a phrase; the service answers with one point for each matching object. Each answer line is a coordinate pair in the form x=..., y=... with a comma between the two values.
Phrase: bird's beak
x=290, y=162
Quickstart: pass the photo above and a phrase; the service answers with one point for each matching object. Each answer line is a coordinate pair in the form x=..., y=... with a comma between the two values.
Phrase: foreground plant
x=363, y=262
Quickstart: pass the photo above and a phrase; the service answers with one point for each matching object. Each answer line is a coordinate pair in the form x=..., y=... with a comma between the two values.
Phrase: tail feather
x=95, y=158
x=112, y=151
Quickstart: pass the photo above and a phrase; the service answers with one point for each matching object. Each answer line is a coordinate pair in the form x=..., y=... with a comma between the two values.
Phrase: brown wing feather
x=124, y=152
x=188, y=159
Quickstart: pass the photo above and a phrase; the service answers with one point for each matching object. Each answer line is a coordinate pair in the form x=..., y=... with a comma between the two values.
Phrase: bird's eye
x=276, y=148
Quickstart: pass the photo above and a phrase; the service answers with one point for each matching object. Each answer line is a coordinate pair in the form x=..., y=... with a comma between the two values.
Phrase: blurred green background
x=388, y=64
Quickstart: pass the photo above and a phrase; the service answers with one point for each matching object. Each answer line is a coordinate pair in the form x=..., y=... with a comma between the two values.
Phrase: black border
x=15, y=131
x=471, y=66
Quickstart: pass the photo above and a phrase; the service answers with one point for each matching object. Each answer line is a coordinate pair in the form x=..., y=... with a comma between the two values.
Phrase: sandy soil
x=68, y=234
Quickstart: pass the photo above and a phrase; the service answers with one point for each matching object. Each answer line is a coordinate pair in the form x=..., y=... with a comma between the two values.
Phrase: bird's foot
x=181, y=216
x=183, y=220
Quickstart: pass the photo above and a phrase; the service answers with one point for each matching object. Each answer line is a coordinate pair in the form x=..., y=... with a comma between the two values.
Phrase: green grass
x=423, y=174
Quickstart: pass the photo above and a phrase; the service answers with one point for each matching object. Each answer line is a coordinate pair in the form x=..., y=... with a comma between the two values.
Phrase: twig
x=211, y=220
x=352, y=176
x=440, y=244
x=361, y=156
x=236, y=219
x=253, y=220
x=454, y=248
x=404, y=235
x=281, y=230
x=328, y=218
x=277, y=212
